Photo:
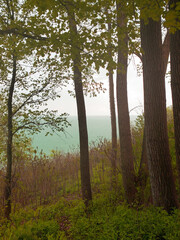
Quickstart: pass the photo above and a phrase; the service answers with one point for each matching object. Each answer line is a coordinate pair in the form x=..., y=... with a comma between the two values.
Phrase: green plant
x=35, y=230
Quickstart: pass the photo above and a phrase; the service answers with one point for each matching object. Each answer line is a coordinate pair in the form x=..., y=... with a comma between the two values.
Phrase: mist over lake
x=99, y=127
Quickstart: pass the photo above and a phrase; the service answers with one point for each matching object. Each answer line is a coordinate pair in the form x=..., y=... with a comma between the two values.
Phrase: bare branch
x=138, y=55
x=139, y=106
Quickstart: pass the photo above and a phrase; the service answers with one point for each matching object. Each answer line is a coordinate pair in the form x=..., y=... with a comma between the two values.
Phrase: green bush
x=34, y=230
x=106, y=223
x=106, y=219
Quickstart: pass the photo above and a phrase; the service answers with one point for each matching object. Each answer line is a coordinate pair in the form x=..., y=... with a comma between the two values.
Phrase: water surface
x=98, y=127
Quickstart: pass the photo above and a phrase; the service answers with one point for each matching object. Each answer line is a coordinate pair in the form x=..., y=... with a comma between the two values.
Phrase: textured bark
x=127, y=164
x=159, y=160
x=83, y=134
x=8, y=179
x=143, y=168
x=113, y=123
x=175, y=87
x=112, y=108
x=143, y=172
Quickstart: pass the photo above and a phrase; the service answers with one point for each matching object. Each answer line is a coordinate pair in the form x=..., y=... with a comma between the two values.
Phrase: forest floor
x=108, y=218
x=47, y=204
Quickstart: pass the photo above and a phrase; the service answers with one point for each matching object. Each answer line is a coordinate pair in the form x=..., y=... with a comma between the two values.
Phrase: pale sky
x=99, y=106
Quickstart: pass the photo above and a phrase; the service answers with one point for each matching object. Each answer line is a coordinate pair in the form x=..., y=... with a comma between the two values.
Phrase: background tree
x=127, y=158
x=110, y=68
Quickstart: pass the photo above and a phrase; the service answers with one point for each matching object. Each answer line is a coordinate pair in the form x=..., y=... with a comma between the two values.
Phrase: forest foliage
x=107, y=190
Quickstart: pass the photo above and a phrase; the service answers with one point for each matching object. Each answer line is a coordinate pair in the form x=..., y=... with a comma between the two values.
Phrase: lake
x=98, y=127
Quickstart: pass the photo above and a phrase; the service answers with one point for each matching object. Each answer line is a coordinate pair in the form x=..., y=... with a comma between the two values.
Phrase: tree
x=127, y=164
x=175, y=74
x=112, y=101
x=78, y=43
x=159, y=160
x=143, y=168
x=9, y=143
x=22, y=88
x=83, y=134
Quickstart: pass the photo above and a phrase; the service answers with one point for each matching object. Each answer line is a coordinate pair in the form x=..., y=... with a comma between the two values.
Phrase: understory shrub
x=106, y=219
x=34, y=230
x=126, y=223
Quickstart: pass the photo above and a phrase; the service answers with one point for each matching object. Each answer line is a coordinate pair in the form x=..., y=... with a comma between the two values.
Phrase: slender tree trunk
x=83, y=134
x=8, y=180
x=113, y=124
x=127, y=164
x=159, y=160
x=112, y=107
x=175, y=87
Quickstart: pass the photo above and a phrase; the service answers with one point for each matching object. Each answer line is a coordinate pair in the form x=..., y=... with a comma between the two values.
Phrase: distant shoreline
x=99, y=127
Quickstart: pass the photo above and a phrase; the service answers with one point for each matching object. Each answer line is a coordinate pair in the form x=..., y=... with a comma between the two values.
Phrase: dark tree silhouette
x=175, y=85
x=143, y=168
x=159, y=160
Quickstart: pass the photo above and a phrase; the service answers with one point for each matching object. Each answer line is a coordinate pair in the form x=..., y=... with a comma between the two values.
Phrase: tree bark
x=143, y=168
x=8, y=179
x=175, y=87
x=113, y=124
x=83, y=134
x=159, y=160
x=112, y=108
x=127, y=164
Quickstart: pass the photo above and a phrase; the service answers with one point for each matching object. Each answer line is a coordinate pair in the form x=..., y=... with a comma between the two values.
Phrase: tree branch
x=139, y=106
x=32, y=95
x=138, y=55
x=15, y=31
x=165, y=51
x=25, y=126
x=9, y=9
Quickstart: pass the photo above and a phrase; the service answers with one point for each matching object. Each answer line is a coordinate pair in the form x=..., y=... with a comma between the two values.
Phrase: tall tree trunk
x=8, y=179
x=83, y=134
x=112, y=106
x=143, y=168
x=159, y=160
x=127, y=164
x=175, y=86
x=113, y=124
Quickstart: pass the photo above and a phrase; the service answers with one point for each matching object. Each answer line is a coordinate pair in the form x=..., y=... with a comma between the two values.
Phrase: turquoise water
x=98, y=127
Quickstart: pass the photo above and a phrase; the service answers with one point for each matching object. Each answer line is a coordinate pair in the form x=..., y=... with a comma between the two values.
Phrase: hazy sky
x=100, y=105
